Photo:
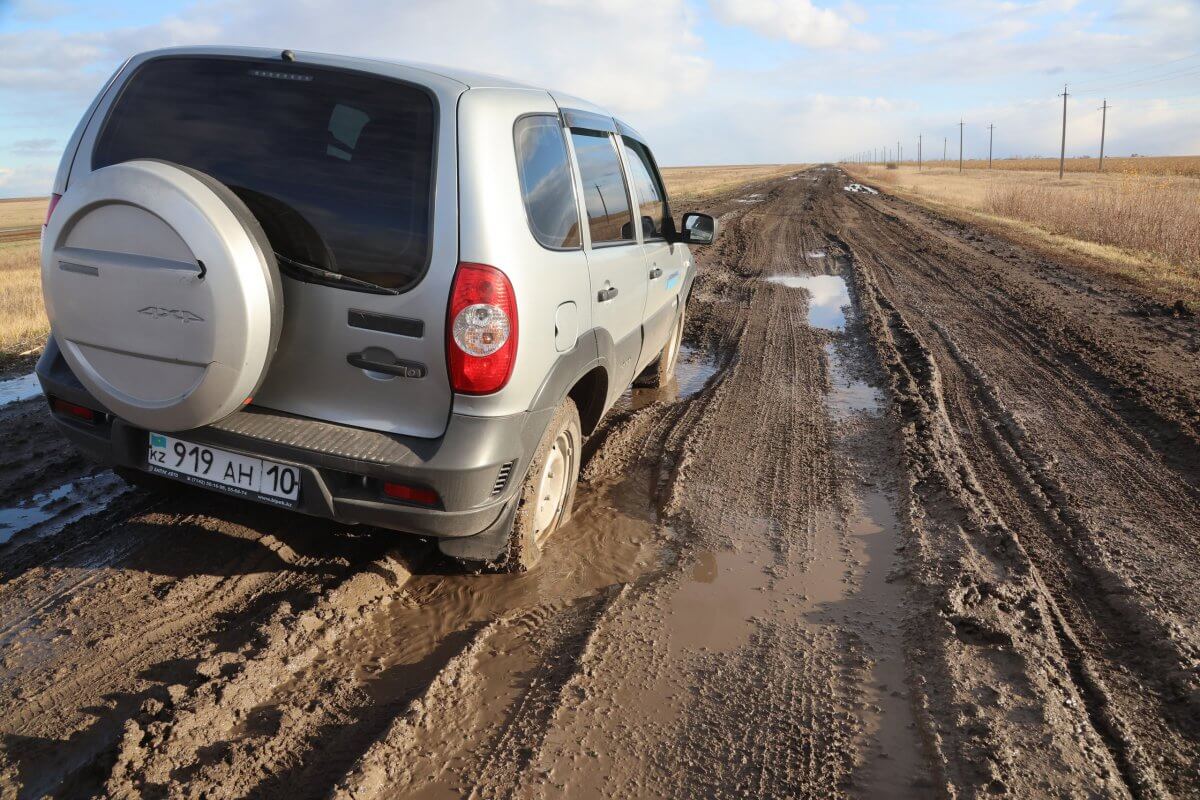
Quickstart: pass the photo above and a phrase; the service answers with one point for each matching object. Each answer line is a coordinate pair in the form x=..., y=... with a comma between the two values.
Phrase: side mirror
x=698, y=228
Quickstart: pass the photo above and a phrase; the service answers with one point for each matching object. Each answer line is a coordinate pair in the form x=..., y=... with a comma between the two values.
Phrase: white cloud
x=629, y=55
x=797, y=21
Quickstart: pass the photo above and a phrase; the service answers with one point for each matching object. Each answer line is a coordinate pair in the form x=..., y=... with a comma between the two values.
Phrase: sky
x=706, y=81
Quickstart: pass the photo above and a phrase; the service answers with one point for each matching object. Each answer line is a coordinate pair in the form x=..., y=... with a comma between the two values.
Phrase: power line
x=1123, y=73
x=1173, y=76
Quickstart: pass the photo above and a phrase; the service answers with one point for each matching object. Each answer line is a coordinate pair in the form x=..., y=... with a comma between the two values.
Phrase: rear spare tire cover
x=162, y=292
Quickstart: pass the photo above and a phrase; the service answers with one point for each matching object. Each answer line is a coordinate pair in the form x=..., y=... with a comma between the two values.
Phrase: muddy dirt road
x=920, y=517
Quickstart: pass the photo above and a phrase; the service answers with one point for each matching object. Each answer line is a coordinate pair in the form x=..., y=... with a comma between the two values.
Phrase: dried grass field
x=696, y=183
x=1184, y=166
x=22, y=212
x=22, y=318
x=1143, y=226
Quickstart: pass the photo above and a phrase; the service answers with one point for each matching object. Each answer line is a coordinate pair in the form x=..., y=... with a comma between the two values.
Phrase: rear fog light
x=73, y=410
x=411, y=494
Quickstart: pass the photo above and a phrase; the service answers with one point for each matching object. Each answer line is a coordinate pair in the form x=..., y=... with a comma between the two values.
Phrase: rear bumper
x=475, y=466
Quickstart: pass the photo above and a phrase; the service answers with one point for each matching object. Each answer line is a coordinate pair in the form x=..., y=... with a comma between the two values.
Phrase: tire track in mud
x=159, y=752
x=1127, y=657
x=124, y=617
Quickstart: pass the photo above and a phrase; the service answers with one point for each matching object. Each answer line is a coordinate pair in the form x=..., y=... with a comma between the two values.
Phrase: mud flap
x=488, y=545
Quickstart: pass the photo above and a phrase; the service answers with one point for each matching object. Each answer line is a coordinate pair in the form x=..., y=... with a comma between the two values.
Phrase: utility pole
x=990, y=129
x=1103, y=123
x=960, y=140
x=918, y=152
x=899, y=157
x=1062, y=154
x=944, y=140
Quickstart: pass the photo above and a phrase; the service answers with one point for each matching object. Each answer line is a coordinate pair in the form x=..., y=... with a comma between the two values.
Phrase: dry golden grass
x=697, y=183
x=22, y=212
x=1143, y=227
x=23, y=324
x=1182, y=166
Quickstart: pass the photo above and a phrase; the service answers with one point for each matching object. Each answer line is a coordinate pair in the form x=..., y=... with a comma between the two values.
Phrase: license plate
x=255, y=478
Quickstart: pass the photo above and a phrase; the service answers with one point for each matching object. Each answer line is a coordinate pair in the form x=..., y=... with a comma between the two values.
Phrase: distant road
x=20, y=234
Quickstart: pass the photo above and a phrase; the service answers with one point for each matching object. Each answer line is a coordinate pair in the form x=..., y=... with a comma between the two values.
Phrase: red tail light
x=481, y=330
x=54, y=198
x=411, y=494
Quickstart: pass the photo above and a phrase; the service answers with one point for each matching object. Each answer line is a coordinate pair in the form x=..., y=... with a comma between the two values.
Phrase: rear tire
x=662, y=371
x=548, y=491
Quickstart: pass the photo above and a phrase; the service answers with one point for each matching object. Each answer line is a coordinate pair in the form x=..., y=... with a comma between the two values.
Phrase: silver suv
x=383, y=293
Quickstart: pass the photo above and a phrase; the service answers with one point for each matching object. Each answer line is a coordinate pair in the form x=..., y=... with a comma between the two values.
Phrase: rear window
x=547, y=187
x=336, y=165
x=604, y=191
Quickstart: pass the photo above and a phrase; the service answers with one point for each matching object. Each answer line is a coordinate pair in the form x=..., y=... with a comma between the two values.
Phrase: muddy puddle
x=613, y=538
x=827, y=301
x=843, y=592
x=16, y=390
x=849, y=394
x=47, y=513
x=692, y=371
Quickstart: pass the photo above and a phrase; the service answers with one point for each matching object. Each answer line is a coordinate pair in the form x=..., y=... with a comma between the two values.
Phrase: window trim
x=588, y=120
x=434, y=164
x=562, y=129
x=656, y=176
x=611, y=136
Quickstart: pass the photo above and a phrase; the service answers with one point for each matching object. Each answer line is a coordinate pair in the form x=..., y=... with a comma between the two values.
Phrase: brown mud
x=918, y=517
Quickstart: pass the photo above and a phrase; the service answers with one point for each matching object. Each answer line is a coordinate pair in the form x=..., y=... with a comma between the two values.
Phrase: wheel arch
x=583, y=375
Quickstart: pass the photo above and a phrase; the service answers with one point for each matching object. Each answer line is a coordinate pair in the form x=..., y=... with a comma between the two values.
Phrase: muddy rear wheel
x=548, y=491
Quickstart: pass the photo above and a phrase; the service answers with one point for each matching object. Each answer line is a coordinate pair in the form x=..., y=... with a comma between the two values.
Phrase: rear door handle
x=655, y=273
x=405, y=369
x=604, y=295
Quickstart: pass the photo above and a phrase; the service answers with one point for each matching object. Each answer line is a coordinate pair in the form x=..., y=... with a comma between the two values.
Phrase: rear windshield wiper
x=313, y=273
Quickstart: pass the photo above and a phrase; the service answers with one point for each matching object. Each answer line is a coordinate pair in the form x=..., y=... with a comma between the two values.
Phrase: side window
x=605, y=196
x=651, y=199
x=546, y=183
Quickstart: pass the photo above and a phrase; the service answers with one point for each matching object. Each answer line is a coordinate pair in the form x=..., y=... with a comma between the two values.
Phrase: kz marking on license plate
x=212, y=468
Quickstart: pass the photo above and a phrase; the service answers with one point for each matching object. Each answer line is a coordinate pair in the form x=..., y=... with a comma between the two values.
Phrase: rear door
x=664, y=261
x=615, y=259
x=339, y=167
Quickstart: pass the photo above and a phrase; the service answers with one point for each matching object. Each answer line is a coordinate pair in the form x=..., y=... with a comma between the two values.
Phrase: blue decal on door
x=673, y=280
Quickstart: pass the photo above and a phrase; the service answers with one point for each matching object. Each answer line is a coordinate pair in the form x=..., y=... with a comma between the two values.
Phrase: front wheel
x=548, y=491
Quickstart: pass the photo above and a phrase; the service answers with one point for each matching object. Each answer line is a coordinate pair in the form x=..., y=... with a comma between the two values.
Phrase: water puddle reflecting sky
x=828, y=298
x=692, y=371
x=52, y=510
x=18, y=389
